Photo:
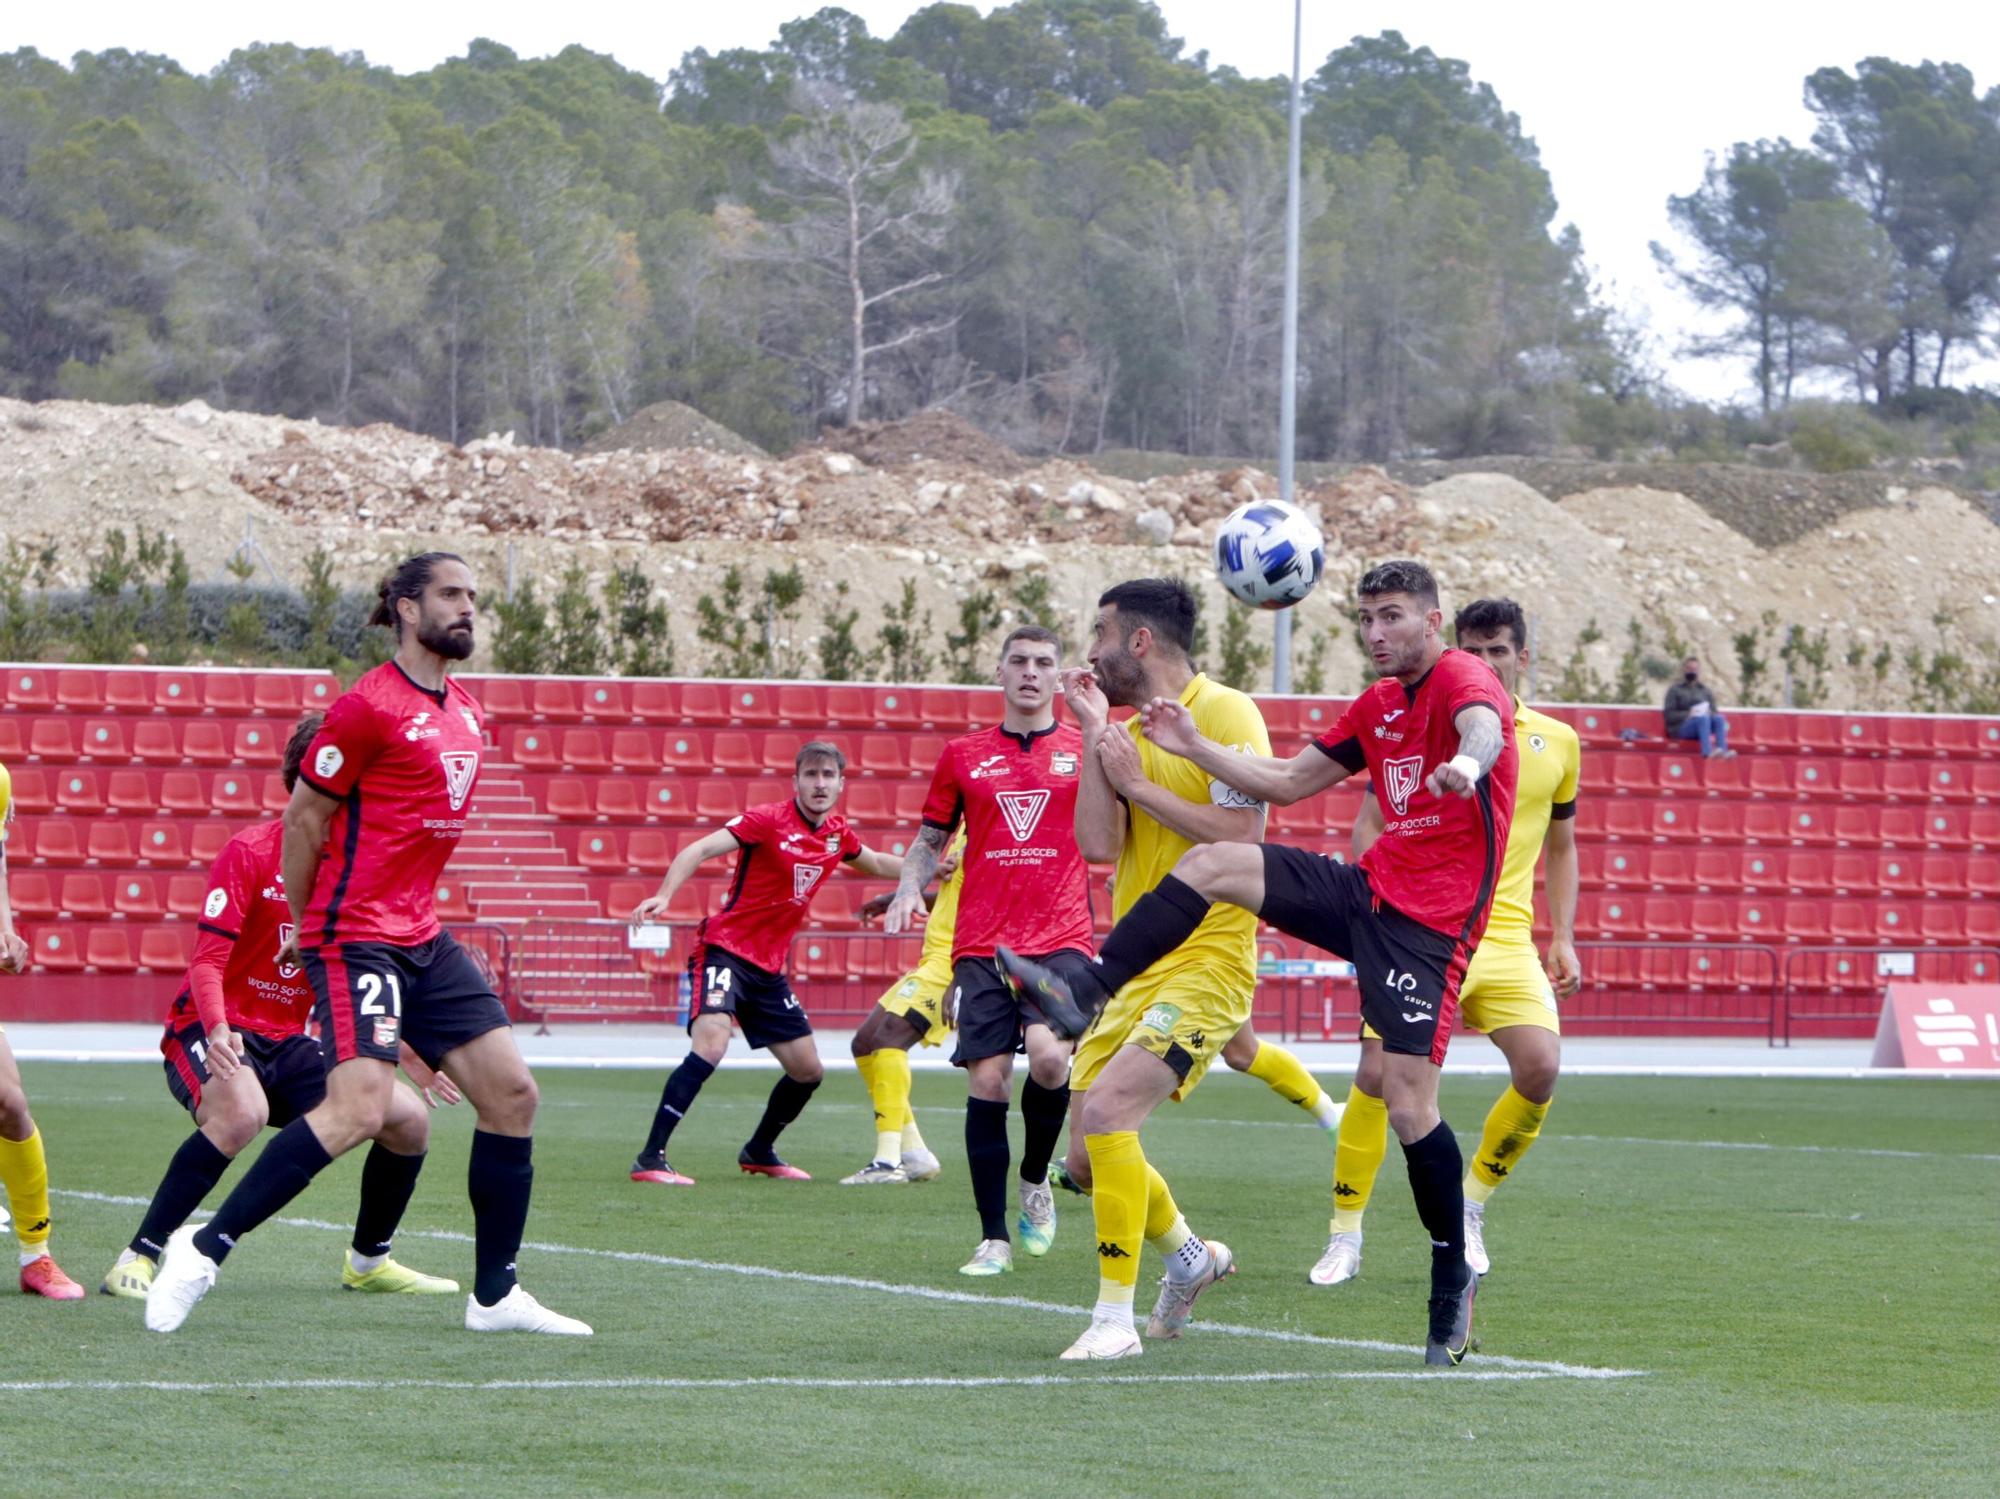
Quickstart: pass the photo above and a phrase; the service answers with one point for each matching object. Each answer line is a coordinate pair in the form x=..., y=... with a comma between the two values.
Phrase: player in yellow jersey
x=1510, y=991
x=910, y=1014
x=24, y=1169
x=1156, y=1038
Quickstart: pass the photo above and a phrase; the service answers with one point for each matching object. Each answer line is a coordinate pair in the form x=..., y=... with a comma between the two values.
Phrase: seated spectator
x=1691, y=713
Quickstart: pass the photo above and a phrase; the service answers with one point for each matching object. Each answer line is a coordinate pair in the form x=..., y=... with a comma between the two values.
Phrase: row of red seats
x=186, y=793
x=1802, y=871
x=90, y=896
x=31, y=689
x=151, y=741
x=114, y=843
x=1788, y=776
x=1929, y=825
x=1810, y=920
x=1768, y=729
x=72, y=947
x=726, y=752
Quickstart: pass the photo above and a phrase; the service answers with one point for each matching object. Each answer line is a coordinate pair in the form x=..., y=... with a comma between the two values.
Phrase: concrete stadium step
x=536, y=910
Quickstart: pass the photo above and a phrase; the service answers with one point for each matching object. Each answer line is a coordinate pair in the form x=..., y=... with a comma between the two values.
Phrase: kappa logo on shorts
x=1161, y=1018
x=1400, y=778
x=459, y=767
x=1023, y=811
x=804, y=877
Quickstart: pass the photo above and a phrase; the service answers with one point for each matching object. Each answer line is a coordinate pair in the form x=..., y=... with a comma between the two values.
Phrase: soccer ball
x=1269, y=554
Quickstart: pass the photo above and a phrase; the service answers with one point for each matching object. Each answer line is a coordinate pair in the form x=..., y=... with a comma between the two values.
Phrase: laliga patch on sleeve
x=216, y=904
x=328, y=761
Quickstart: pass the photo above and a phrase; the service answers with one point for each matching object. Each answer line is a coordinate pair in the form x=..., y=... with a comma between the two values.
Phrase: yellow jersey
x=1551, y=759
x=1226, y=940
x=6, y=802
x=944, y=911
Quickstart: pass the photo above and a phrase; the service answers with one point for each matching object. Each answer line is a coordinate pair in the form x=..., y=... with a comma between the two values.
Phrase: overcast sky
x=1623, y=101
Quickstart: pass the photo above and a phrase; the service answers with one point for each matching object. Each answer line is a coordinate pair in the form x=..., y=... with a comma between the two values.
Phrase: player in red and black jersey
x=1026, y=886
x=784, y=851
x=238, y=1058
x=1432, y=734
x=379, y=807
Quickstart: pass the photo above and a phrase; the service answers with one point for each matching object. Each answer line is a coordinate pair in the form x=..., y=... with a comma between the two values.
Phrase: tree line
x=1050, y=217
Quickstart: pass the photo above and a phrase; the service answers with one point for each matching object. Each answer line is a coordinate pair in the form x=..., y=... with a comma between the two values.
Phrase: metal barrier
x=1844, y=986
x=491, y=949
x=591, y=969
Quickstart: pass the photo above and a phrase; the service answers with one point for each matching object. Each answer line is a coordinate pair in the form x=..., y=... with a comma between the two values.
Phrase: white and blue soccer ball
x=1269, y=554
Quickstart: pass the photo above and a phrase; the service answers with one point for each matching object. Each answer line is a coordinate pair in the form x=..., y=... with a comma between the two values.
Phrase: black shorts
x=367, y=996
x=761, y=1001
x=991, y=1021
x=1409, y=974
x=292, y=1072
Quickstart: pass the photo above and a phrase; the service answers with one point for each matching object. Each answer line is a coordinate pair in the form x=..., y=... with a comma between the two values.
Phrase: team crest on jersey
x=804, y=877
x=833, y=843
x=1537, y=743
x=286, y=970
x=459, y=766
x=1400, y=778
x=1023, y=811
x=1062, y=763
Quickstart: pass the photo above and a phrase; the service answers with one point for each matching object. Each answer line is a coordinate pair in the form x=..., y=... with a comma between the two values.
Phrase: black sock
x=191, y=1175
x=1042, y=1113
x=1437, y=1181
x=682, y=1084
x=1159, y=921
x=986, y=1153
x=788, y=1096
x=282, y=1170
x=500, y=1179
x=387, y=1180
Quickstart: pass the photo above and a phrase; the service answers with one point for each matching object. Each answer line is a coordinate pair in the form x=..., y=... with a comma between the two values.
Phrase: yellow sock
x=1512, y=1126
x=1166, y=1229
x=24, y=1171
x=1286, y=1076
x=1357, y=1156
x=1118, y=1203
x=912, y=1137
x=890, y=1087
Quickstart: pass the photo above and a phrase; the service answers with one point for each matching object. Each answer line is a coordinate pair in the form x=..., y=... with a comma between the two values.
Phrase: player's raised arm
x=1100, y=815
x=1481, y=738
x=876, y=865
x=710, y=846
x=1263, y=777
x=919, y=866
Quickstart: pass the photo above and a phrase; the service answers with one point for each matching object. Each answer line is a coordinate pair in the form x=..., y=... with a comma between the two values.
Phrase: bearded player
x=238, y=1058
x=784, y=851
x=1510, y=992
x=1408, y=917
x=379, y=807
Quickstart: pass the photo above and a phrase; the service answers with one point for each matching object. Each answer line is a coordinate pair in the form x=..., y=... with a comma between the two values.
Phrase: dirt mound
x=927, y=437
x=669, y=424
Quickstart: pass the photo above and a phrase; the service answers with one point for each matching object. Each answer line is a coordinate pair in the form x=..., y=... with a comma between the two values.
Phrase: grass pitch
x=1793, y=1280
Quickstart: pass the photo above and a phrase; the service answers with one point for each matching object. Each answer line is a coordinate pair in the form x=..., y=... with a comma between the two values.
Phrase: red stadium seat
x=166, y=949
x=1851, y=921
x=868, y=804
x=452, y=904
x=1708, y=916
x=1982, y=923
x=78, y=794
x=1954, y=780
x=1618, y=867
x=1679, y=775
x=174, y=691
x=943, y=708
x=1661, y=916
x=634, y=750
x=1760, y=869
x=156, y=741
x=780, y=753
x=656, y=702
x=554, y=698
x=32, y=894
x=52, y=739
x=13, y=745
x=570, y=798
x=1671, y=823
x=1945, y=827
x=128, y=693
x=1715, y=867
x=225, y=693
x=136, y=897
x=32, y=790
x=1894, y=827
x=31, y=689
x=618, y=800
x=1908, y=734
x=257, y=743
x=735, y=753
x=883, y=755
x=59, y=841
x=689, y=903
x=1896, y=921
x=1859, y=780
x=668, y=798
x=186, y=894
x=318, y=691
x=129, y=791
x=1897, y=874
x=1951, y=734
x=1944, y=877
x=849, y=707
x=605, y=701
x=1755, y=822
x=821, y=957
x=1815, y=778
x=203, y=744
x=210, y=837
x=1851, y=871
x=649, y=851
x=58, y=949
x=1805, y=921
x=584, y=750
x=752, y=703
x=1809, y=871
x=1910, y=780
x=79, y=691
x=1982, y=827
x=237, y=793
x=1771, y=776
x=704, y=703
x=275, y=798
x=109, y=842
x=109, y=950
x=535, y=749
x=275, y=694
x=1631, y=774
x=833, y=906
x=717, y=800
x=1812, y=825
x=503, y=699
x=1672, y=869
x=1630, y=821
x=925, y=752
x=910, y=798
x=688, y=751
x=1819, y=733
x=801, y=705
x=620, y=896
x=896, y=708
x=598, y=851
x=161, y=843
x=103, y=740
x=1941, y=923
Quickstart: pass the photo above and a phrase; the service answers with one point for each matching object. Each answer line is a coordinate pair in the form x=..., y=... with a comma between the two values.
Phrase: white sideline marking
x=763, y=1381
x=1900, y=1155
x=1545, y=1367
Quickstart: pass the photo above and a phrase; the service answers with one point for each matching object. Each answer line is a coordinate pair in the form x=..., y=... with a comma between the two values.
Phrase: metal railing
x=1844, y=987
x=590, y=969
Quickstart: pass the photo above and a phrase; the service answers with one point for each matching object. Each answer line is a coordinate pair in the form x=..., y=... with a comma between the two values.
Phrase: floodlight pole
x=1288, y=363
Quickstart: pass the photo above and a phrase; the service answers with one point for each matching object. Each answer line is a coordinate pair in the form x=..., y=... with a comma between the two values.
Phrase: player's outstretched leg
x=708, y=1039
x=1409, y=1085
x=388, y=1177
x=789, y=1096
x=1283, y=1073
x=1357, y=1158
x=232, y=1114
x=881, y=1058
x=24, y=1169
x=1512, y=1126
x=1044, y=1108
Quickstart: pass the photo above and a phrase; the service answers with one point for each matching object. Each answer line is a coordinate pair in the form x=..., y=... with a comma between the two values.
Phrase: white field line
x=763, y=1381
x=1546, y=1367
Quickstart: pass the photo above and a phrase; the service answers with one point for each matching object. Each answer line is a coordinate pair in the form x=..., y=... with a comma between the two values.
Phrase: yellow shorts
x=918, y=996
x=1184, y=1017
x=1506, y=985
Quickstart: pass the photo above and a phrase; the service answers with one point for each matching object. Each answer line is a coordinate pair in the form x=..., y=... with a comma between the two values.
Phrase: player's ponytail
x=408, y=581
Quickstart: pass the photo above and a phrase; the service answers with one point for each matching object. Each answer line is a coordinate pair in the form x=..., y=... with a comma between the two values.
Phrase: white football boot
x=1342, y=1260
x=185, y=1276
x=1475, y=1237
x=1105, y=1338
x=517, y=1311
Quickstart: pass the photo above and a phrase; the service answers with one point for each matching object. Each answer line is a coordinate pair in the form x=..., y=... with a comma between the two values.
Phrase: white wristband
x=1466, y=766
